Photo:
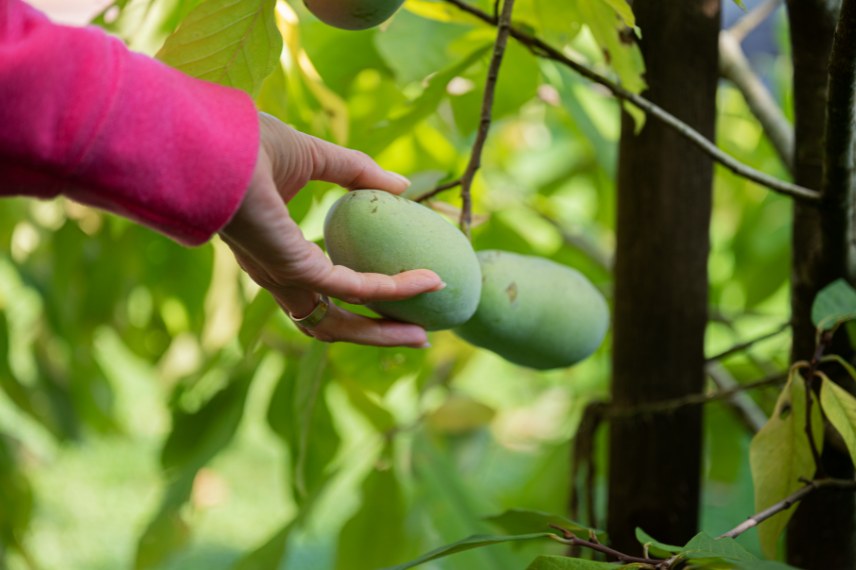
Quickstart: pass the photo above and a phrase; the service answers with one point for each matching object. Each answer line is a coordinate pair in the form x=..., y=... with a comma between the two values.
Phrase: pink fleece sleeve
x=83, y=116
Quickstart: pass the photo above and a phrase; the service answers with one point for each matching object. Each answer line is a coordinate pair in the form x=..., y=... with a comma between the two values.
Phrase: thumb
x=351, y=169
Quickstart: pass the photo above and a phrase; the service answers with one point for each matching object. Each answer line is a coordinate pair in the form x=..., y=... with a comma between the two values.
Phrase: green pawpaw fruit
x=353, y=14
x=378, y=232
x=535, y=312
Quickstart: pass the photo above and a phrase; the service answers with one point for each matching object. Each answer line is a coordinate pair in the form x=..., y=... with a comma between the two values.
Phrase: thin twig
x=438, y=189
x=740, y=347
x=571, y=539
x=745, y=25
x=503, y=28
x=786, y=503
x=543, y=49
x=671, y=405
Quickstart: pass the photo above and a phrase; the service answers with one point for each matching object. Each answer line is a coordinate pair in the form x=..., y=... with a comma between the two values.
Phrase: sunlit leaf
x=231, y=42
x=781, y=458
x=840, y=409
x=834, y=304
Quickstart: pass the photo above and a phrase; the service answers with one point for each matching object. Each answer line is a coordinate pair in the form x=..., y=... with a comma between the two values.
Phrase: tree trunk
x=821, y=535
x=661, y=298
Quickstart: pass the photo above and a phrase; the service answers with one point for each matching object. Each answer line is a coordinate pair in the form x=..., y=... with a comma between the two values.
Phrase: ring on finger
x=314, y=318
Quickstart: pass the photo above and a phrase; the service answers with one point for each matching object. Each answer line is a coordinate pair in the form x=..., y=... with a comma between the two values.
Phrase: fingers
x=351, y=168
x=343, y=326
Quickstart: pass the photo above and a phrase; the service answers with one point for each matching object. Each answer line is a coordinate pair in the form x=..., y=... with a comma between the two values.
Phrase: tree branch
x=786, y=503
x=503, y=29
x=740, y=347
x=734, y=66
x=744, y=407
x=665, y=406
x=745, y=25
x=542, y=49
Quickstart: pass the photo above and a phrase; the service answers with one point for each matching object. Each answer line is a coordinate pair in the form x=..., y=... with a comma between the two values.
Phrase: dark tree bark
x=664, y=204
x=822, y=533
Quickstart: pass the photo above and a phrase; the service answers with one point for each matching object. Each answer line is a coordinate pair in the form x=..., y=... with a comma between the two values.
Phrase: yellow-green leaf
x=230, y=42
x=780, y=457
x=840, y=408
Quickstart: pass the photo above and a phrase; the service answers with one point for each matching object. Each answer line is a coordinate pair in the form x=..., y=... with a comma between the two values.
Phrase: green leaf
x=298, y=413
x=566, y=563
x=834, y=304
x=840, y=408
x=520, y=521
x=269, y=555
x=376, y=535
x=196, y=437
x=703, y=545
x=230, y=42
x=256, y=315
x=655, y=547
x=475, y=541
x=780, y=457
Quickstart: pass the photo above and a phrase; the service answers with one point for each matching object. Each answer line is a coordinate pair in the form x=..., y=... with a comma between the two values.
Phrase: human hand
x=270, y=247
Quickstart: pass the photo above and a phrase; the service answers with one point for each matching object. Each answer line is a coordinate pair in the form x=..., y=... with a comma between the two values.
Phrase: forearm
x=83, y=116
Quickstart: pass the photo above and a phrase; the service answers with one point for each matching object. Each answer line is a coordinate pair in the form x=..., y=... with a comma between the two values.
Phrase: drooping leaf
x=780, y=457
x=452, y=503
x=567, y=563
x=469, y=543
x=840, y=408
x=230, y=42
x=521, y=521
x=654, y=546
x=298, y=413
x=375, y=536
x=269, y=555
x=834, y=304
x=255, y=317
x=196, y=437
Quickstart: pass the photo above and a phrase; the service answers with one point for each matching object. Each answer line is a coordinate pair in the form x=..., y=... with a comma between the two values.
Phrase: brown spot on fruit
x=511, y=291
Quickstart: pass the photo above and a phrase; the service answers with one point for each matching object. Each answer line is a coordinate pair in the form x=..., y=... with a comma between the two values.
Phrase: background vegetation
x=157, y=411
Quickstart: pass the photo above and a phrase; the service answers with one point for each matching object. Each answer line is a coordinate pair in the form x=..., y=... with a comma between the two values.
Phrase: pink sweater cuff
x=82, y=115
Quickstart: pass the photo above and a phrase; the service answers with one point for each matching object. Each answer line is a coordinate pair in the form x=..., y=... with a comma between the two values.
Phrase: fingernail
x=442, y=286
x=425, y=345
x=399, y=177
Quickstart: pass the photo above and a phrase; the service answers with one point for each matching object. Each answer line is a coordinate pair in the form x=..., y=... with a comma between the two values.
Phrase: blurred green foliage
x=157, y=411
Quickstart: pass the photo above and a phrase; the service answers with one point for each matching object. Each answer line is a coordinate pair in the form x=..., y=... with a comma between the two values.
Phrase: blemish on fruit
x=511, y=291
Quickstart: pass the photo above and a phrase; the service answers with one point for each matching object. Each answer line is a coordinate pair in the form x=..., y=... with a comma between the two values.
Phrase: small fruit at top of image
x=353, y=14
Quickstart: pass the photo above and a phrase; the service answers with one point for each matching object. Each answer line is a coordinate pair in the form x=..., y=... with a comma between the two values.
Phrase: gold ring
x=315, y=316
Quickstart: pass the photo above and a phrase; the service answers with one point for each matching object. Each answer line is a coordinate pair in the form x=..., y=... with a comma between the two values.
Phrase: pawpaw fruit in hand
x=535, y=312
x=353, y=14
x=378, y=232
